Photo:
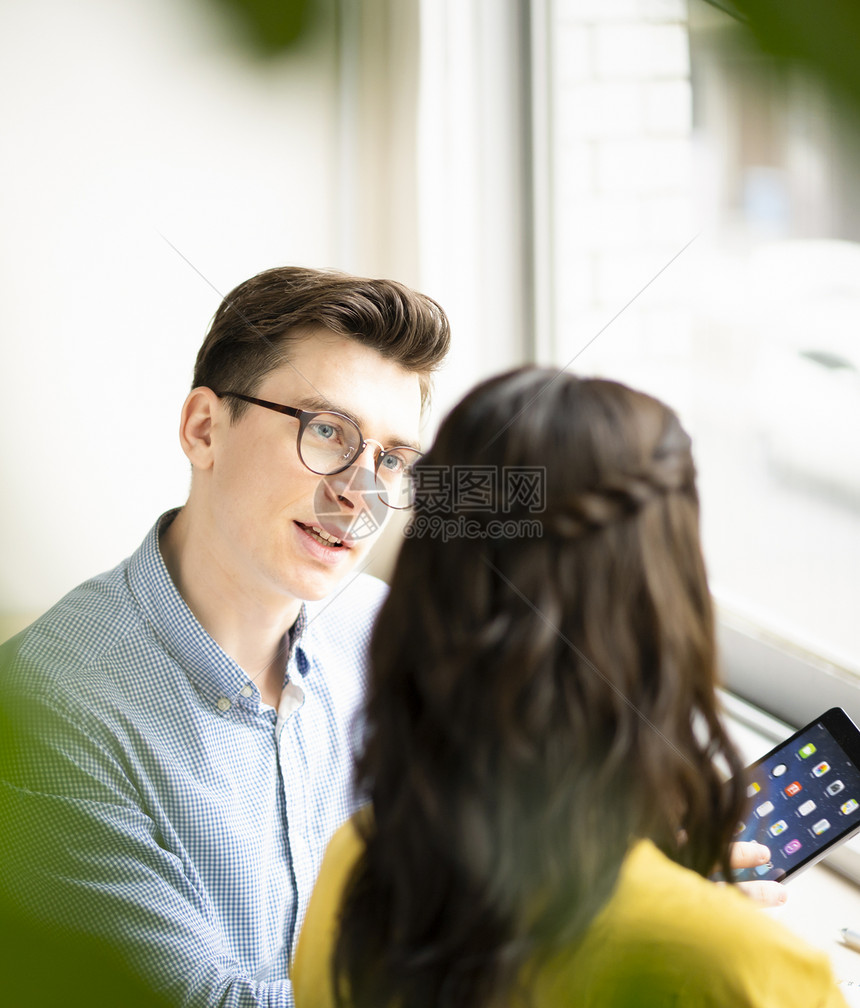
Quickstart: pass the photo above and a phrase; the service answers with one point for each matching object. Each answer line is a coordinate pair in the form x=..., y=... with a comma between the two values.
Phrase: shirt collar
x=219, y=680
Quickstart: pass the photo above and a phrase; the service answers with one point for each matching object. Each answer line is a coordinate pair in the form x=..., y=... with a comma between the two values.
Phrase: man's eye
x=393, y=463
x=326, y=431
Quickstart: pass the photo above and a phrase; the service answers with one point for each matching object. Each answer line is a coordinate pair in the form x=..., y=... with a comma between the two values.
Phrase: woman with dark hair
x=543, y=752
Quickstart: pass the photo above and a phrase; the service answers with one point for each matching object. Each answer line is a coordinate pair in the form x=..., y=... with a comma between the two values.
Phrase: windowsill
x=777, y=674
x=820, y=903
x=764, y=669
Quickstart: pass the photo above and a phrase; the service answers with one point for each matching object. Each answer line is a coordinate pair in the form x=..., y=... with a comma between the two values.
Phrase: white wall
x=128, y=128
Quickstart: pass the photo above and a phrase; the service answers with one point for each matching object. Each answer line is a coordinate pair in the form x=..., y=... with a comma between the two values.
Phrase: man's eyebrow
x=314, y=404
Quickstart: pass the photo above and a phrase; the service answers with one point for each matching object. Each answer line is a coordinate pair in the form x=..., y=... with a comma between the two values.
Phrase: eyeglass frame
x=305, y=416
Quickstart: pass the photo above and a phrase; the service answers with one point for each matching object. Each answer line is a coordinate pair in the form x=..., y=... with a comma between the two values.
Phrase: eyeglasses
x=328, y=443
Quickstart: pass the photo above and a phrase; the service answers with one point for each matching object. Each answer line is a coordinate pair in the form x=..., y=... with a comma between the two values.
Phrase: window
x=697, y=214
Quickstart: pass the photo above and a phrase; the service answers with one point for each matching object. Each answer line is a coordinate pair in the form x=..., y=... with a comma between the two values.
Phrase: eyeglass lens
x=328, y=443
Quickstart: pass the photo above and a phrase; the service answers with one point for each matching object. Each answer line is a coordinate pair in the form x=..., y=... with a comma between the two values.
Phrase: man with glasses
x=178, y=730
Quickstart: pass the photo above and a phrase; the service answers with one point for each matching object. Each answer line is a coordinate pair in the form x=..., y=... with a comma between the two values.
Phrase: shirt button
x=247, y=689
x=223, y=703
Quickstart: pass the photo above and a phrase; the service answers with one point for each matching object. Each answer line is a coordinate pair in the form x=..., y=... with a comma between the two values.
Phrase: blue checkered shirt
x=159, y=804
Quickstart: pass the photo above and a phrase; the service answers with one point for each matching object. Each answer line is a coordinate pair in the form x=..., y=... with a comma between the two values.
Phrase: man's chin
x=316, y=589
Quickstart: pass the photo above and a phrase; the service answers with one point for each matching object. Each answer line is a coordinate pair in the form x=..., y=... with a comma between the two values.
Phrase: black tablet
x=804, y=796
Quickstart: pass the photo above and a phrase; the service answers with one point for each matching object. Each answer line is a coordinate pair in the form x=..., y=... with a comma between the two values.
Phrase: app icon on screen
x=780, y=826
x=835, y=787
x=848, y=807
x=779, y=770
x=804, y=752
x=764, y=809
x=821, y=769
x=763, y=869
x=792, y=847
x=806, y=808
x=793, y=789
x=753, y=789
x=821, y=827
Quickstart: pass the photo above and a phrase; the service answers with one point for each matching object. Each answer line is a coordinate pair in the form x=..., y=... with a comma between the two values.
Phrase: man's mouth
x=321, y=536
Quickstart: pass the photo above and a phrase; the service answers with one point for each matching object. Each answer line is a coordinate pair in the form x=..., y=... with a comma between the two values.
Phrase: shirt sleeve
x=81, y=859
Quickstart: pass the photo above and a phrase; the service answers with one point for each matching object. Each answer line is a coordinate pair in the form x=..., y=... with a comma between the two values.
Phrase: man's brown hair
x=256, y=324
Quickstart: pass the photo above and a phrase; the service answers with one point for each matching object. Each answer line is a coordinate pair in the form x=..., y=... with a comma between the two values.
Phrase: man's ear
x=200, y=412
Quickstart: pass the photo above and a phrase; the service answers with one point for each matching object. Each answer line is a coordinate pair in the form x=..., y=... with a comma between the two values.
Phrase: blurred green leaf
x=822, y=34
x=270, y=27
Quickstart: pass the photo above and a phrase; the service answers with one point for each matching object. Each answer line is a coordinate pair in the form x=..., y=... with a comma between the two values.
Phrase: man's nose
x=368, y=454
x=359, y=478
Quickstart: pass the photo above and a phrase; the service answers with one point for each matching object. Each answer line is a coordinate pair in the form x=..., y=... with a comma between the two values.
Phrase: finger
x=748, y=854
x=765, y=894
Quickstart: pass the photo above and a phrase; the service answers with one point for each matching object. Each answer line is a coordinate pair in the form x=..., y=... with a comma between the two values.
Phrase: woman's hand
x=749, y=854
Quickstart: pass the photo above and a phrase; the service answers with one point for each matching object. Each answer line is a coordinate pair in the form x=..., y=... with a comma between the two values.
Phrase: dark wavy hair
x=537, y=701
x=257, y=323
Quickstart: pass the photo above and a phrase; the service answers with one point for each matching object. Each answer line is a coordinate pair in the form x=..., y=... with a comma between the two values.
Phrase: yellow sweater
x=666, y=937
